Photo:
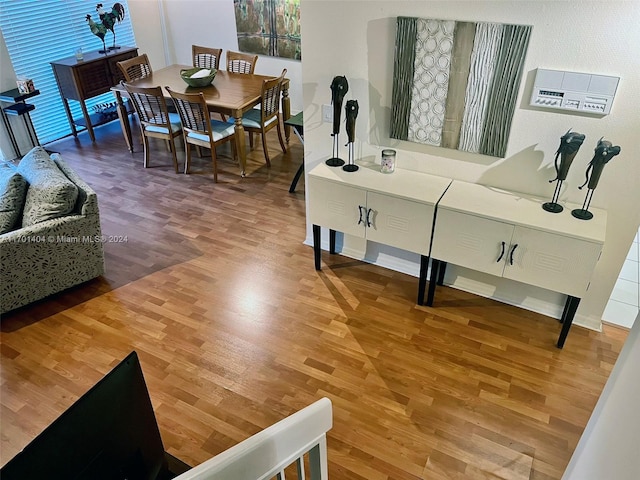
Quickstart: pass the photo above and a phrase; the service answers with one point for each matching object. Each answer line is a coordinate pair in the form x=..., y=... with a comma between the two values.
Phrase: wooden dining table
x=230, y=94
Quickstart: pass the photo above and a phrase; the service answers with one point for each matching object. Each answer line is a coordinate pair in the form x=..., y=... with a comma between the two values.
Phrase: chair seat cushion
x=251, y=119
x=176, y=126
x=219, y=129
x=13, y=189
x=50, y=193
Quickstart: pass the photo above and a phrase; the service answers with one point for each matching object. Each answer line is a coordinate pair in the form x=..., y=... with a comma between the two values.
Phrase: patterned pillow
x=13, y=187
x=50, y=194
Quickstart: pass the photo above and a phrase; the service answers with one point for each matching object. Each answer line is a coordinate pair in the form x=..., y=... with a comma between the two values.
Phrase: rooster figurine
x=109, y=19
x=99, y=30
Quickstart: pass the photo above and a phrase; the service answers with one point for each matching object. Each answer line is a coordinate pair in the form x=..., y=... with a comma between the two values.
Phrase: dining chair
x=155, y=119
x=205, y=57
x=241, y=62
x=135, y=68
x=267, y=116
x=199, y=129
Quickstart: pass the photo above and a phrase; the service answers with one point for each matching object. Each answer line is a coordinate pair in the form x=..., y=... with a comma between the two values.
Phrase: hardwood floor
x=213, y=287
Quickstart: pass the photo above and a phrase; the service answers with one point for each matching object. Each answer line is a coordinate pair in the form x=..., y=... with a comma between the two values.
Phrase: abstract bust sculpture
x=351, y=113
x=604, y=152
x=339, y=88
x=569, y=145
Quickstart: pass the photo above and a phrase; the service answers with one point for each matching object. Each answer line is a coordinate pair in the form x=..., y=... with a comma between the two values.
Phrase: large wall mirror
x=455, y=84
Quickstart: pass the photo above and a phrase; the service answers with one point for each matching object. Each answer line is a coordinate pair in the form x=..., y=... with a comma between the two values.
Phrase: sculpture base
x=552, y=207
x=582, y=214
x=335, y=162
x=350, y=168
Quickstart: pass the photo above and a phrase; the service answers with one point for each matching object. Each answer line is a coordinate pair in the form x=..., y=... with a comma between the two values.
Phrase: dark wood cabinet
x=81, y=80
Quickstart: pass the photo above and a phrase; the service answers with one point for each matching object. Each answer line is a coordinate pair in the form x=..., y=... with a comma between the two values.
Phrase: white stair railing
x=266, y=454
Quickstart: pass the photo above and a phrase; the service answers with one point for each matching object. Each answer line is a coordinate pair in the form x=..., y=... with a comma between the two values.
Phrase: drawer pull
x=501, y=253
x=360, y=220
x=369, y=212
x=511, y=255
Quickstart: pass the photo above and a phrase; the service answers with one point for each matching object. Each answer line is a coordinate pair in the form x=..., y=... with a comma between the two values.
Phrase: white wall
x=610, y=443
x=357, y=38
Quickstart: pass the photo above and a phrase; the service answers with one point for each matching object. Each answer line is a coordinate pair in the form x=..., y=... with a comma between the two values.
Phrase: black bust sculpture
x=570, y=143
x=339, y=88
x=351, y=113
x=603, y=153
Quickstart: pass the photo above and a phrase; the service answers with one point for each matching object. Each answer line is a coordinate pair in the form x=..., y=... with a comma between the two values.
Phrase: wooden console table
x=81, y=80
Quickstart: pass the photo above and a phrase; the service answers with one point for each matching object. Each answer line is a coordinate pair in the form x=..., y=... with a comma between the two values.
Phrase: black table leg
x=433, y=279
x=332, y=241
x=300, y=171
x=316, y=246
x=441, y=271
x=422, y=282
x=569, y=312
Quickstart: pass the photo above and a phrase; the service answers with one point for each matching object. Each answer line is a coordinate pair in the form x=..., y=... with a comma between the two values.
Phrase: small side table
x=19, y=108
x=298, y=128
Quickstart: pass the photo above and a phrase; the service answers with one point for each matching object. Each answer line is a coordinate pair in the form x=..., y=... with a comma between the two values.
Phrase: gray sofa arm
x=51, y=256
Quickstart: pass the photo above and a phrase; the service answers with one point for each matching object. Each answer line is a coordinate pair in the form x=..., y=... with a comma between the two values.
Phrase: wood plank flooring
x=213, y=287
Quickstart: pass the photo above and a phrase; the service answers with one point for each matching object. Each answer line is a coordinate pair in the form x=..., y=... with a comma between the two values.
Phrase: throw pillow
x=13, y=188
x=50, y=194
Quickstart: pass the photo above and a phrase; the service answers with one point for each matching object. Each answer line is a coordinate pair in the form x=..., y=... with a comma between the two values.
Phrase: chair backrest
x=150, y=105
x=271, y=91
x=205, y=57
x=241, y=62
x=135, y=68
x=193, y=111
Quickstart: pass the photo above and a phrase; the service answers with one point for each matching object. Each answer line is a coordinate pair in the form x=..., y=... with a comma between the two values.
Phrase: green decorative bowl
x=200, y=81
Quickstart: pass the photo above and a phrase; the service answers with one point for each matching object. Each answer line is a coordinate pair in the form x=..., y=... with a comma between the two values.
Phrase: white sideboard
x=509, y=235
x=394, y=209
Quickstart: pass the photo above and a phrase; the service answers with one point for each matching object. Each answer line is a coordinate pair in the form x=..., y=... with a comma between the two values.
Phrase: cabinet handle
x=511, y=255
x=501, y=253
x=360, y=220
x=369, y=212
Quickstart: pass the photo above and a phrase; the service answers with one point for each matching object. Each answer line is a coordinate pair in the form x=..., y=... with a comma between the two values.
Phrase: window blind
x=38, y=32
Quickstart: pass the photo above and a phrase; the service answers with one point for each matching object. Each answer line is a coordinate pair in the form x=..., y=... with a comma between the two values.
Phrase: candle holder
x=570, y=143
x=604, y=152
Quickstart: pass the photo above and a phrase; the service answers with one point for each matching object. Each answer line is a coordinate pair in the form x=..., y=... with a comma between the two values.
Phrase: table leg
x=26, y=118
x=441, y=271
x=87, y=120
x=241, y=148
x=316, y=246
x=332, y=242
x=123, y=116
x=65, y=104
x=12, y=136
x=433, y=279
x=569, y=312
x=286, y=112
x=422, y=282
x=299, y=173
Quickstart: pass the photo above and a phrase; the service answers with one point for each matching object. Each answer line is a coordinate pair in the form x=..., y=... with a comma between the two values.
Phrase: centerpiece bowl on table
x=198, y=77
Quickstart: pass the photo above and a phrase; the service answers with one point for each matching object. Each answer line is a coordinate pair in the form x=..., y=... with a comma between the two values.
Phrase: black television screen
x=108, y=433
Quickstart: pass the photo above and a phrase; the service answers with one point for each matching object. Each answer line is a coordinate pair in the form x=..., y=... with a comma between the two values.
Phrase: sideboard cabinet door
x=402, y=223
x=551, y=261
x=337, y=206
x=473, y=242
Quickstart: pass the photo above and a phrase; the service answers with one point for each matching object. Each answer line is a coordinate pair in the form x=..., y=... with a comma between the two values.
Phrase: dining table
x=230, y=94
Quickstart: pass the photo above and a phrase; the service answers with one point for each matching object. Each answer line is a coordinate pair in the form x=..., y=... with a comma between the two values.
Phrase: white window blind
x=38, y=32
